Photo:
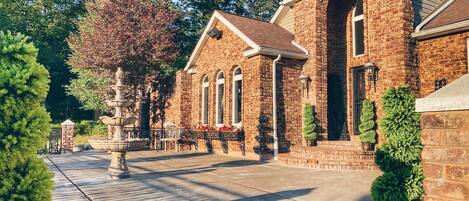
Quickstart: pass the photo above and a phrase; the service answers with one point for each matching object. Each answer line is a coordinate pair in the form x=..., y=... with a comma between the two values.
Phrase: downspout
x=274, y=104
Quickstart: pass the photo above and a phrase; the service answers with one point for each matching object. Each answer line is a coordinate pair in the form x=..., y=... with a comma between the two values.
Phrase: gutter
x=276, y=52
x=274, y=104
x=443, y=30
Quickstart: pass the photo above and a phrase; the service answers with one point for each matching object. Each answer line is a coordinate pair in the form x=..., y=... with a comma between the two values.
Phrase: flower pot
x=312, y=143
x=368, y=146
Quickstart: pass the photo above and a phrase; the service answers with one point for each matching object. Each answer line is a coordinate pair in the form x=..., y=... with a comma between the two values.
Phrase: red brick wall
x=179, y=107
x=388, y=25
x=446, y=155
x=226, y=54
x=441, y=58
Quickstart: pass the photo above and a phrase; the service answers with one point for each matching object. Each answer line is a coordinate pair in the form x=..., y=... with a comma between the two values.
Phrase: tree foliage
x=24, y=123
x=309, y=130
x=91, y=88
x=48, y=23
x=399, y=156
x=367, y=126
x=133, y=34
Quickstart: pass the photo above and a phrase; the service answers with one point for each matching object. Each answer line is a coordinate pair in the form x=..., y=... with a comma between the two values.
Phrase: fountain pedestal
x=118, y=168
x=118, y=146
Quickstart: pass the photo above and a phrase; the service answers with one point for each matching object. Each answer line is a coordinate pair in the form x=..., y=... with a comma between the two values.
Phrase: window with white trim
x=205, y=92
x=220, y=98
x=237, y=96
x=358, y=28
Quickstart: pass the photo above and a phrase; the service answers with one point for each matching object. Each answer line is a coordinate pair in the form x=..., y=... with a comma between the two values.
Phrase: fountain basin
x=119, y=103
x=119, y=146
x=118, y=121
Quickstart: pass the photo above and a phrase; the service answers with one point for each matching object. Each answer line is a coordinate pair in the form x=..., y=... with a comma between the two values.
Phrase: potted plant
x=367, y=126
x=309, y=129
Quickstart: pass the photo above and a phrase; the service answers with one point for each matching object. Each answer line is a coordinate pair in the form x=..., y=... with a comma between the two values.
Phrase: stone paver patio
x=201, y=176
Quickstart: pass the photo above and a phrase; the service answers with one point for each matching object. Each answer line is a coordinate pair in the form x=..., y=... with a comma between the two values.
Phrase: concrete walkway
x=200, y=176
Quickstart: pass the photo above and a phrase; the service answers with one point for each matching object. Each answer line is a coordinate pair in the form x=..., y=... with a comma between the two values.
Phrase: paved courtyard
x=200, y=176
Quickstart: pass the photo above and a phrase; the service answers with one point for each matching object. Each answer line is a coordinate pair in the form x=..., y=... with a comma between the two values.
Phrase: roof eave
x=275, y=52
x=441, y=31
x=433, y=15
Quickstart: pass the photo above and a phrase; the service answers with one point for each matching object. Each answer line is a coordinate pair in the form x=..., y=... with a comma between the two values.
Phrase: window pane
x=359, y=8
x=221, y=92
x=238, y=71
x=238, y=101
x=205, y=102
x=359, y=38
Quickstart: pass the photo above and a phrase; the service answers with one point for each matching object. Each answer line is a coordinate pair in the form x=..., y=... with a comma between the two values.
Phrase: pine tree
x=368, y=125
x=24, y=123
x=399, y=156
x=309, y=130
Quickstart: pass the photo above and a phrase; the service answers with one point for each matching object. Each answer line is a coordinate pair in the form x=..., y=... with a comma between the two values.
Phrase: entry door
x=359, y=94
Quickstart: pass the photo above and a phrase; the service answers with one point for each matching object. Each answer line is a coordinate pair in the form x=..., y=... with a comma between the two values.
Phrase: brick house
x=330, y=53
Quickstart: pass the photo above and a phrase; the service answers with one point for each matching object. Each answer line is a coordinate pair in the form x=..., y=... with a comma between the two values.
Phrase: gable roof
x=449, y=17
x=264, y=38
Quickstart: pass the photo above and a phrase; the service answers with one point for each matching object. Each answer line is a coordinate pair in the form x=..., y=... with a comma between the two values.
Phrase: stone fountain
x=118, y=146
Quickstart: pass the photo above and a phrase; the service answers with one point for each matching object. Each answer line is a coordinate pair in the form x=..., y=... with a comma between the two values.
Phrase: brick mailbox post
x=445, y=135
x=67, y=136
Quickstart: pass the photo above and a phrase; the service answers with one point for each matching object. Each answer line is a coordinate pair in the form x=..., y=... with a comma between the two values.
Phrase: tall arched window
x=220, y=98
x=237, y=96
x=205, y=93
x=358, y=29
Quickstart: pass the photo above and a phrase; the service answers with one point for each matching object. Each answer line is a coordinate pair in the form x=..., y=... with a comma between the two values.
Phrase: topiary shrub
x=399, y=156
x=24, y=123
x=309, y=130
x=368, y=125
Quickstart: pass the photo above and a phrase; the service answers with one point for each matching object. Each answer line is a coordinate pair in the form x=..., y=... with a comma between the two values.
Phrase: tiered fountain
x=118, y=145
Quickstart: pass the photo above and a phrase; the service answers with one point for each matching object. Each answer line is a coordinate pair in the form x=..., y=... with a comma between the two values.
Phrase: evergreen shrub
x=309, y=130
x=399, y=156
x=24, y=123
x=367, y=126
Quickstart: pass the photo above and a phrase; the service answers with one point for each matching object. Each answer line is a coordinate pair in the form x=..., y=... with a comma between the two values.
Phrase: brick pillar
x=67, y=136
x=445, y=136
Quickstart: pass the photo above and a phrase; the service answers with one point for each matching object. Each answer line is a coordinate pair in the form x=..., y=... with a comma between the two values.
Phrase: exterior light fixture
x=192, y=71
x=215, y=33
x=304, y=79
x=372, y=72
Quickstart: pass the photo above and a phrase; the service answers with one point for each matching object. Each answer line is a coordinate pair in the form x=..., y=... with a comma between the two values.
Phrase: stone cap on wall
x=68, y=122
x=454, y=96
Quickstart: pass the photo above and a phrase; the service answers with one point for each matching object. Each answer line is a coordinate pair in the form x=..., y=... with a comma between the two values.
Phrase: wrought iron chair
x=171, y=134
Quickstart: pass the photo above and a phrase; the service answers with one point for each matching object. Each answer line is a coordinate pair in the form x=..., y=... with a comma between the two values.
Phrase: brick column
x=445, y=135
x=67, y=136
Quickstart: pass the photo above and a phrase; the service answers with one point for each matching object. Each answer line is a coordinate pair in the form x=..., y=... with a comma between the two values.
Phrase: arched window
x=237, y=96
x=358, y=29
x=220, y=98
x=205, y=93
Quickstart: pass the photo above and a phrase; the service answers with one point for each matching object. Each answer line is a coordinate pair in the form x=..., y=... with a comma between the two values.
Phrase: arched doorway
x=337, y=15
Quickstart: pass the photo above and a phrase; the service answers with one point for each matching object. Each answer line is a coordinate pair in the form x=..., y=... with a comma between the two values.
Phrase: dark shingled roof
x=263, y=33
x=458, y=11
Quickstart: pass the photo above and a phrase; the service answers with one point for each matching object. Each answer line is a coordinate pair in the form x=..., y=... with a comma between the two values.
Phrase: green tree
x=309, y=130
x=368, y=125
x=91, y=89
x=48, y=23
x=399, y=156
x=24, y=123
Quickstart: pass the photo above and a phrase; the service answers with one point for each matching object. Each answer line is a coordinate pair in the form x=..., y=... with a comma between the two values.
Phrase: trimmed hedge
x=367, y=126
x=24, y=123
x=399, y=156
x=309, y=130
